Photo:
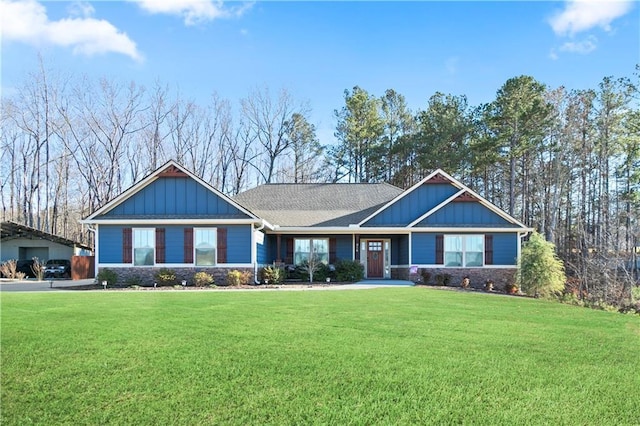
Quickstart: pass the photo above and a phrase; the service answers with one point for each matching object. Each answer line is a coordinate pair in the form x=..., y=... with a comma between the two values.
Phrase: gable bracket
x=172, y=171
x=465, y=198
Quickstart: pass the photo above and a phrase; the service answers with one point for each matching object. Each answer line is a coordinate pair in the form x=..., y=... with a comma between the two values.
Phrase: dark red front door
x=375, y=259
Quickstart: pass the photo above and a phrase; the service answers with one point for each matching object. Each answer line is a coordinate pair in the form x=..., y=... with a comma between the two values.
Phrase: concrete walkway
x=61, y=285
x=33, y=285
x=385, y=283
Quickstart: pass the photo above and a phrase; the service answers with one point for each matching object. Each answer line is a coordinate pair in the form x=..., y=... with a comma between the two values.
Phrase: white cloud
x=583, y=15
x=81, y=8
x=583, y=47
x=193, y=11
x=26, y=21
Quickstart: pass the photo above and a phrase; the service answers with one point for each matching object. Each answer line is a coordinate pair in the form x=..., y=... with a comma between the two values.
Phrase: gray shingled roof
x=316, y=204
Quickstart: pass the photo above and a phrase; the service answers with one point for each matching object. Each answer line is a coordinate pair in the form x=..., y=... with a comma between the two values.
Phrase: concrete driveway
x=33, y=285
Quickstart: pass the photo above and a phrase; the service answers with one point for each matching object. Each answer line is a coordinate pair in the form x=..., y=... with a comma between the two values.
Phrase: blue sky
x=316, y=50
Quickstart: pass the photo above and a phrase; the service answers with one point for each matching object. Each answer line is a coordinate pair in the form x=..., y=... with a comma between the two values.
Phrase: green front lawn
x=381, y=356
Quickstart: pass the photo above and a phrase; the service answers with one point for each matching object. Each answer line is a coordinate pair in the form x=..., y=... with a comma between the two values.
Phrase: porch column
x=278, y=248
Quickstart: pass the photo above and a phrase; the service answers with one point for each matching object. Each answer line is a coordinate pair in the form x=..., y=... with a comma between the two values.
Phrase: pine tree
x=540, y=271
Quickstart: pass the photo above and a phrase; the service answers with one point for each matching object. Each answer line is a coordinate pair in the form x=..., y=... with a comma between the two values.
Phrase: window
x=302, y=250
x=144, y=243
x=463, y=250
x=205, y=246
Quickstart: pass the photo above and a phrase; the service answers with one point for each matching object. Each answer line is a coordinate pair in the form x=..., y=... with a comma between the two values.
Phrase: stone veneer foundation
x=477, y=276
x=145, y=275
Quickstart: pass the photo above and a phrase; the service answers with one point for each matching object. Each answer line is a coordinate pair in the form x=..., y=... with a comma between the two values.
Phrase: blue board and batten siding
x=464, y=214
x=413, y=205
x=110, y=243
x=262, y=249
x=505, y=248
x=175, y=196
x=400, y=250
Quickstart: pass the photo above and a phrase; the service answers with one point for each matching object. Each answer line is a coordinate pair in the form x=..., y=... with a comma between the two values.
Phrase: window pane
x=205, y=257
x=452, y=258
x=474, y=259
x=205, y=246
x=143, y=256
x=475, y=243
x=143, y=246
x=452, y=243
x=321, y=246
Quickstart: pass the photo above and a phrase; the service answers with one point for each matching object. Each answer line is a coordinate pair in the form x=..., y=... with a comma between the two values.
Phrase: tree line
x=566, y=162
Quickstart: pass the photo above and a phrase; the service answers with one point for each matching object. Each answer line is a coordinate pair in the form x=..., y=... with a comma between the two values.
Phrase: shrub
x=237, y=278
x=540, y=272
x=322, y=273
x=466, y=282
x=349, y=270
x=426, y=276
x=107, y=275
x=202, y=279
x=488, y=285
x=8, y=269
x=38, y=268
x=166, y=276
x=273, y=274
x=511, y=288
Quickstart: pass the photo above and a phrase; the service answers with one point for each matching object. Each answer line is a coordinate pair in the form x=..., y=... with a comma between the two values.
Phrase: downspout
x=255, y=251
x=521, y=236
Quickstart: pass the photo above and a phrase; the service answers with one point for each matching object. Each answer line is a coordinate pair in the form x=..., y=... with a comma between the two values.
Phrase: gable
x=414, y=204
x=171, y=192
x=466, y=213
x=174, y=195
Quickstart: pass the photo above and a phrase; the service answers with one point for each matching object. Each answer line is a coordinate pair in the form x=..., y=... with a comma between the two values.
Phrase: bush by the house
x=8, y=269
x=273, y=274
x=107, y=275
x=166, y=276
x=540, y=272
x=349, y=271
x=38, y=268
x=426, y=276
x=237, y=278
x=202, y=279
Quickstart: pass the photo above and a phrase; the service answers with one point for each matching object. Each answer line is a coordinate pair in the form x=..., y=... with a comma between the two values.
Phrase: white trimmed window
x=463, y=250
x=204, y=246
x=302, y=249
x=144, y=246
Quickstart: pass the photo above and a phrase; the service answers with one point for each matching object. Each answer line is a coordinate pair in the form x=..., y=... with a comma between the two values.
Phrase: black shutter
x=160, y=246
x=222, y=245
x=188, y=245
x=288, y=259
x=332, y=250
x=439, y=249
x=127, y=245
x=488, y=249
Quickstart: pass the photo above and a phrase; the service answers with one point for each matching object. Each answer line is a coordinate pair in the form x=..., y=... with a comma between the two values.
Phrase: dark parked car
x=57, y=268
x=24, y=266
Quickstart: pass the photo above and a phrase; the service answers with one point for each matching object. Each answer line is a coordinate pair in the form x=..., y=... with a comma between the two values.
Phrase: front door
x=375, y=259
